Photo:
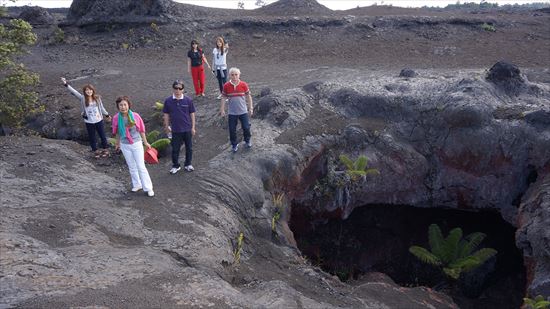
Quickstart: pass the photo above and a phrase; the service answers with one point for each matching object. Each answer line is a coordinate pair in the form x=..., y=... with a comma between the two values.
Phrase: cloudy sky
x=332, y=4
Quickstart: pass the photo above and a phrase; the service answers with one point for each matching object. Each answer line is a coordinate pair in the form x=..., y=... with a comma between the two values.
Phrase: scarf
x=121, y=126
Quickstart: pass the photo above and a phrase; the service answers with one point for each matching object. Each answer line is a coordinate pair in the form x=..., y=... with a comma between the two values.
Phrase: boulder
x=89, y=12
x=36, y=16
x=407, y=73
x=507, y=77
x=295, y=7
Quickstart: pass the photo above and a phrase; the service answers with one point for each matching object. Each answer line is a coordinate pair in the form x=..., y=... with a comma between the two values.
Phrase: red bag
x=151, y=156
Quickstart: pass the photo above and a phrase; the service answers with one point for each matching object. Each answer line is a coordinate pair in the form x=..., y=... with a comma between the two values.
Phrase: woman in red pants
x=195, y=67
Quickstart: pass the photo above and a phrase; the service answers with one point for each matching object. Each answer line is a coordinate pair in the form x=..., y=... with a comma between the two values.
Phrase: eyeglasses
x=178, y=88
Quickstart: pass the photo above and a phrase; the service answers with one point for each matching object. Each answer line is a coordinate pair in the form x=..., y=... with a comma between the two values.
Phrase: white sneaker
x=150, y=193
x=189, y=168
x=219, y=97
x=136, y=189
x=235, y=148
x=174, y=170
x=249, y=145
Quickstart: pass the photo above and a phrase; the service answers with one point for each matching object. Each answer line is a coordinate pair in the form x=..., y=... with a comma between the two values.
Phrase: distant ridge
x=295, y=7
x=88, y=12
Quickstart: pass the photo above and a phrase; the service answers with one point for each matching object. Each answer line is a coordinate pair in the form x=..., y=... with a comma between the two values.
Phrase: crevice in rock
x=177, y=257
x=376, y=238
x=531, y=176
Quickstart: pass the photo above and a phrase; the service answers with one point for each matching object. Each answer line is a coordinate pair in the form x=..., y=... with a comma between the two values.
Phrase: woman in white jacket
x=93, y=113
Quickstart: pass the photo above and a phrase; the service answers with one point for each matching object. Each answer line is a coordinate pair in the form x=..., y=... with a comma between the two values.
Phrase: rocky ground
x=72, y=235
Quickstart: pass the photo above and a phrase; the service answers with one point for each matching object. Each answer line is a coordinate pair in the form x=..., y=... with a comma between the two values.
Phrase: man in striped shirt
x=236, y=92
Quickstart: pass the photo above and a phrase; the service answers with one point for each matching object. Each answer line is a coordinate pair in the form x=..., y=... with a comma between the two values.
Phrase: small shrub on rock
x=58, y=35
x=17, y=98
x=488, y=27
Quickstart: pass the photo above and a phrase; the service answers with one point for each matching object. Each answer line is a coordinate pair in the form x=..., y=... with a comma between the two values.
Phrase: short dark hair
x=177, y=82
x=123, y=98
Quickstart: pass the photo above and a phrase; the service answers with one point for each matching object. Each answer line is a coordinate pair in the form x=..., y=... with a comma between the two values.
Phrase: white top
x=92, y=111
x=219, y=59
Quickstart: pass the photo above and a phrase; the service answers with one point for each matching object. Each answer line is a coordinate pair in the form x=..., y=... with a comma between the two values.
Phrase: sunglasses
x=178, y=88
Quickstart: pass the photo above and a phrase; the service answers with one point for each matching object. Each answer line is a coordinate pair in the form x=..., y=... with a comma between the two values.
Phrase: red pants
x=197, y=73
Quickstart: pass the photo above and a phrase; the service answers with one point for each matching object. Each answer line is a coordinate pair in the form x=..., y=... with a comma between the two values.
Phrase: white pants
x=133, y=153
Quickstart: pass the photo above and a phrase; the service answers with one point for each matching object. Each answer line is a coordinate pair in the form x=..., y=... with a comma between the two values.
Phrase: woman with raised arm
x=93, y=112
x=219, y=62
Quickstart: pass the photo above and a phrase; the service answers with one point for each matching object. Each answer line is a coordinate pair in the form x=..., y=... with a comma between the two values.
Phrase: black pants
x=100, y=128
x=245, y=124
x=221, y=80
x=178, y=138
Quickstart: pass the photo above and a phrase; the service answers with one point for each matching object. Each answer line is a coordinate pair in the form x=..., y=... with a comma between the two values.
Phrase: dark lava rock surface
x=72, y=235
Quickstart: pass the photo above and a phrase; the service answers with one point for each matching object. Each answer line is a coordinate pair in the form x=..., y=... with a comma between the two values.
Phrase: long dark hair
x=220, y=39
x=198, y=45
x=93, y=97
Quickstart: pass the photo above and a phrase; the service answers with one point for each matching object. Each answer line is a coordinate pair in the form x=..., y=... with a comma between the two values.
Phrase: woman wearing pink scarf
x=129, y=130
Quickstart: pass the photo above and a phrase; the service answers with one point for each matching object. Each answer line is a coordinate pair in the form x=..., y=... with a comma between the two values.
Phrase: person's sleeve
x=165, y=109
x=140, y=125
x=189, y=54
x=191, y=106
x=74, y=92
x=246, y=89
x=103, y=110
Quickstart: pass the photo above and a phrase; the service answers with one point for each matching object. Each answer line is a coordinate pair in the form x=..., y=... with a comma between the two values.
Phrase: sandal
x=105, y=153
x=97, y=154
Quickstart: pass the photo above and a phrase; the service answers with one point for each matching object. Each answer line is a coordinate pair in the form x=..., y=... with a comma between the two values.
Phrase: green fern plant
x=153, y=136
x=157, y=114
x=276, y=217
x=488, y=27
x=155, y=27
x=538, y=303
x=160, y=144
x=278, y=202
x=111, y=141
x=453, y=254
x=357, y=169
x=158, y=106
x=238, y=248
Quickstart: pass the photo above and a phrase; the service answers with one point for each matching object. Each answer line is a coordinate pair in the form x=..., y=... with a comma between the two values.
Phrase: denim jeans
x=178, y=138
x=245, y=124
x=133, y=154
x=100, y=128
x=221, y=80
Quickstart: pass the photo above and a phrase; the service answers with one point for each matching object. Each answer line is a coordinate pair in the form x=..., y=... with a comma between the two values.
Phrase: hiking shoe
x=136, y=189
x=174, y=170
x=249, y=145
x=189, y=168
x=235, y=148
x=150, y=193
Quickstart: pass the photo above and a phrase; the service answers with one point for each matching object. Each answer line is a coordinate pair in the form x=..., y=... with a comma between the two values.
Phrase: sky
x=331, y=4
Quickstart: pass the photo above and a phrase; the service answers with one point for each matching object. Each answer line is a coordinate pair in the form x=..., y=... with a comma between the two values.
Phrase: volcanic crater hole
x=376, y=238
